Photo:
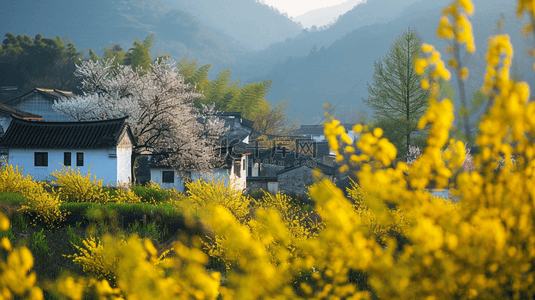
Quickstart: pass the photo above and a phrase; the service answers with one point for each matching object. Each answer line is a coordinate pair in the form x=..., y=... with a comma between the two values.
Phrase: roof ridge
x=85, y=122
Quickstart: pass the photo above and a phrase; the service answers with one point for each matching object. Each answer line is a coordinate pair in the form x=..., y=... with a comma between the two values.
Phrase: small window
x=79, y=159
x=66, y=158
x=41, y=159
x=168, y=177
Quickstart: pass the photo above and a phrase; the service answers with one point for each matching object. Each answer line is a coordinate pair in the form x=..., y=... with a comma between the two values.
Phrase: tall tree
x=223, y=92
x=396, y=92
x=272, y=119
x=139, y=55
x=159, y=106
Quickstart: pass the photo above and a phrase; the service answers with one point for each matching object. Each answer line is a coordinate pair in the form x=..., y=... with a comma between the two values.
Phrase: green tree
x=115, y=52
x=45, y=62
x=396, y=93
x=272, y=119
x=139, y=55
x=223, y=92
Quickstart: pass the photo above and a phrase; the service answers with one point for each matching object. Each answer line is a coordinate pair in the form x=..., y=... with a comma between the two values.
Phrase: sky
x=295, y=8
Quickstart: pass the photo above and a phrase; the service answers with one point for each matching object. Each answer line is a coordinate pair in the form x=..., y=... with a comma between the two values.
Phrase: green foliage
x=147, y=230
x=8, y=234
x=39, y=243
x=151, y=193
x=20, y=221
x=114, y=52
x=73, y=237
x=396, y=93
x=44, y=62
x=225, y=94
x=92, y=55
x=13, y=198
x=139, y=54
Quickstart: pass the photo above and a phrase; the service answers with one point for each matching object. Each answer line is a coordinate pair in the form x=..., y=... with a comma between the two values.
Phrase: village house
x=285, y=170
x=233, y=151
x=39, y=101
x=7, y=113
x=102, y=147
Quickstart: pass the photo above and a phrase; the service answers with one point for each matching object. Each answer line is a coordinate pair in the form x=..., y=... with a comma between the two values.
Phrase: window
x=41, y=159
x=168, y=177
x=66, y=158
x=79, y=159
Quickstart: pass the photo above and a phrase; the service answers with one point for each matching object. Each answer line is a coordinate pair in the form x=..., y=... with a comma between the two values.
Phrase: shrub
x=151, y=193
x=75, y=187
x=44, y=205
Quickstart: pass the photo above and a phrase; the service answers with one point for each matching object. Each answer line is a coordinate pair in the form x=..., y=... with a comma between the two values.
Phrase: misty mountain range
x=309, y=67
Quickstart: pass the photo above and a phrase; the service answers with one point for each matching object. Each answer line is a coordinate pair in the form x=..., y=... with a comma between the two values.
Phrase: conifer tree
x=396, y=93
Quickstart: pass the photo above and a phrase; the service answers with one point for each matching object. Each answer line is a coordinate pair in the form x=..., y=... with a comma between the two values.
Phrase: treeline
x=45, y=62
x=50, y=63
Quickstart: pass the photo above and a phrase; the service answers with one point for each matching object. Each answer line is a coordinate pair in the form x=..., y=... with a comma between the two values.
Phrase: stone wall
x=296, y=180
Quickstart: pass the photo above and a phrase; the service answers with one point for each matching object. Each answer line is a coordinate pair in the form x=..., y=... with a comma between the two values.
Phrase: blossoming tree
x=159, y=106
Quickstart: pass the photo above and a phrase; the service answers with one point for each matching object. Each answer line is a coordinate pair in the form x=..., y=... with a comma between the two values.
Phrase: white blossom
x=159, y=106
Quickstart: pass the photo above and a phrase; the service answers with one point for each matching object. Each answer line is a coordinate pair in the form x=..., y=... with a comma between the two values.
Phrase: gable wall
x=124, y=160
x=97, y=161
x=38, y=104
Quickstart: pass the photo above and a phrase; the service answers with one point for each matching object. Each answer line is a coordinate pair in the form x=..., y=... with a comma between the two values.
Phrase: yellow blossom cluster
x=371, y=145
x=435, y=65
x=15, y=280
x=390, y=240
x=525, y=5
x=40, y=201
x=458, y=28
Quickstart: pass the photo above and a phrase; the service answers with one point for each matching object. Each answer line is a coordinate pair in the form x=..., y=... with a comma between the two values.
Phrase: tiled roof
x=51, y=93
x=18, y=113
x=64, y=135
x=317, y=129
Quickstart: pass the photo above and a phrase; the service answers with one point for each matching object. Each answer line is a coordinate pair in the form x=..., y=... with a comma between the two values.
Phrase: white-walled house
x=39, y=101
x=167, y=178
x=104, y=148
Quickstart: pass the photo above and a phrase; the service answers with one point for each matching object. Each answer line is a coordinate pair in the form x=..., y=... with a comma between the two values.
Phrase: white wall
x=124, y=161
x=97, y=160
x=156, y=177
x=239, y=183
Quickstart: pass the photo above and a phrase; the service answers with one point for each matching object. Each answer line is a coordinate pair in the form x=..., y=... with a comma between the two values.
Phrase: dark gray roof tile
x=64, y=135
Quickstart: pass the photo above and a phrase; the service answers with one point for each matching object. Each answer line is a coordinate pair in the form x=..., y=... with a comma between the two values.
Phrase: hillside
x=251, y=23
x=252, y=64
x=326, y=74
x=324, y=16
x=99, y=23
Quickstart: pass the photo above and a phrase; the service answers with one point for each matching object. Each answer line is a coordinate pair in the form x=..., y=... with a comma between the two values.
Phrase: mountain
x=252, y=64
x=338, y=73
x=99, y=23
x=325, y=16
x=254, y=24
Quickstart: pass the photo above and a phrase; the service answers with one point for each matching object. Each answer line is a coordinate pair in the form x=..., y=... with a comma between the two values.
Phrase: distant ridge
x=325, y=16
